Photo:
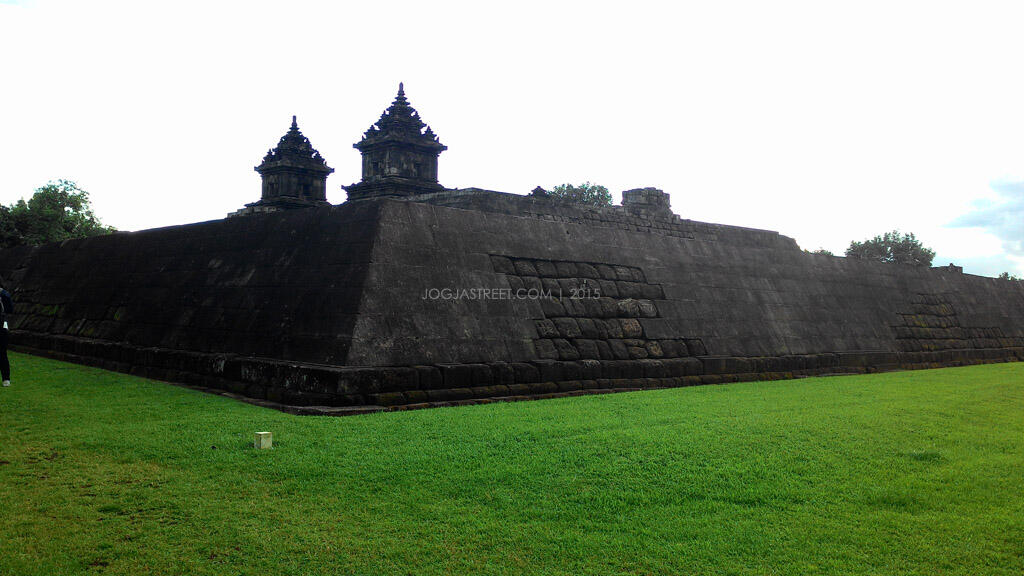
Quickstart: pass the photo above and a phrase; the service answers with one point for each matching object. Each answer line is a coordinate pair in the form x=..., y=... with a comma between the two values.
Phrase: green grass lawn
x=901, y=473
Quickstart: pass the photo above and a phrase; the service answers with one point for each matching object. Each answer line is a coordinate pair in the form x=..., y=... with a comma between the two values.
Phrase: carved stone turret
x=294, y=175
x=399, y=154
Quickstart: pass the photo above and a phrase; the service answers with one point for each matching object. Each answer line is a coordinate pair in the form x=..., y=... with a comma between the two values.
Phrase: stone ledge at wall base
x=337, y=390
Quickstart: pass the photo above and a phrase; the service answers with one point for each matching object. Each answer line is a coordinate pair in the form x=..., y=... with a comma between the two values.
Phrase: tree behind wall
x=892, y=247
x=585, y=193
x=58, y=211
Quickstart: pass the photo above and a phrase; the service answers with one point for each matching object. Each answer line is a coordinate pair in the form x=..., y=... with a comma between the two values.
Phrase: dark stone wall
x=734, y=292
x=284, y=285
x=343, y=306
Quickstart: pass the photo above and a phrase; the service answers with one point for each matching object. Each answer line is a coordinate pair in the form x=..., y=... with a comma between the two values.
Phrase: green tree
x=820, y=251
x=58, y=211
x=1007, y=276
x=892, y=247
x=586, y=193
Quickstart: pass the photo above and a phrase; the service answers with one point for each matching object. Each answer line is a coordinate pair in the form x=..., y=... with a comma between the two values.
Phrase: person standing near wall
x=6, y=307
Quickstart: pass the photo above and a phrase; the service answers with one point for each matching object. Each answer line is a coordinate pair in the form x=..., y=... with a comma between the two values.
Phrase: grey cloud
x=1003, y=217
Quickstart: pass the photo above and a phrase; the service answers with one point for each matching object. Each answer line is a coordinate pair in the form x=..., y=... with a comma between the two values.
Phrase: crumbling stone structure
x=412, y=295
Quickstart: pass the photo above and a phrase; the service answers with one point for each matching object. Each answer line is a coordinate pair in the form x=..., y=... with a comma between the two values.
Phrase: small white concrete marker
x=264, y=440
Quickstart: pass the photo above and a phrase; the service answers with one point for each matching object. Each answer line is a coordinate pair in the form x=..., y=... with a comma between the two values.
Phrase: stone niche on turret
x=294, y=176
x=399, y=155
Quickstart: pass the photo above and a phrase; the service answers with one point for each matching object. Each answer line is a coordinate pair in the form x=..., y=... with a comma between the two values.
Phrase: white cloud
x=1003, y=216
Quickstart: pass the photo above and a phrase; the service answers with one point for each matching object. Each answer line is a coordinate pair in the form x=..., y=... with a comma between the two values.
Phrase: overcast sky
x=826, y=121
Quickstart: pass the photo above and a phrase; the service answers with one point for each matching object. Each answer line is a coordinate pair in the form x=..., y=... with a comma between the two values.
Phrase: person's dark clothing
x=5, y=364
x=8, y=307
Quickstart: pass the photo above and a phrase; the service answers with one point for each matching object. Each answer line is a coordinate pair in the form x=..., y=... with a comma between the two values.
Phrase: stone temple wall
x=431, y=300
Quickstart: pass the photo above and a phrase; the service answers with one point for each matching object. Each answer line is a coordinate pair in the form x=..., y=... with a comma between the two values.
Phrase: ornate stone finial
x=400, y=99
x=295, y=125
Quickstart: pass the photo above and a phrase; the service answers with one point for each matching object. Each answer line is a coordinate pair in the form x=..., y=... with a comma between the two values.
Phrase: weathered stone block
x=588, y=328
x=480, y=374
x=566, y=269
x=654, y=349
x=629, y=289
x=457, y=375
x=525, y=373
x=623, y=273
x=652, y=292
x=631, y=328
x=670, y=349
x=552, y=286
x=390, y=398
x=449, y=394
x=587, y=349
x=524, y=268
x=653, y=369
x=591, y=307
x=359, y=381
x=398, y=379
x=587, y=271
x=503, y=373
x=628, y=308
x=609, y=307
x=608, y=288
x=724, y=365
x=515, y=283
x=502, y=265
x=637, y=352
x=572, y=370
x=552, y=308
x=567, y=327
x=546, y=268
x=647, y=309
x=566, y=351
x=532, y=284
x=695, y=347
x=550, y=371
x=570, y=386
x=546, y=349
x=591, y=369
x=429, y=377
x=520, y=389
x=619, y=349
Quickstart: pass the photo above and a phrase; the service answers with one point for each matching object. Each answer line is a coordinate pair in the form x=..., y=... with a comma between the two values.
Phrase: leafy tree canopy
x=892, y=247
x=58, y=211
x=1007, y=276
x=586, y=193
x=820, y=251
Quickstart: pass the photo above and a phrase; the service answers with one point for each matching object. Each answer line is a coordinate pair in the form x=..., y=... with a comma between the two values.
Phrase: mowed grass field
x=899, y=473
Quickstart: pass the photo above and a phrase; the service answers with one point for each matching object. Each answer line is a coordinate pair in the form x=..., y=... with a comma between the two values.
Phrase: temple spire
x=294, y=175
x=399, y=154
